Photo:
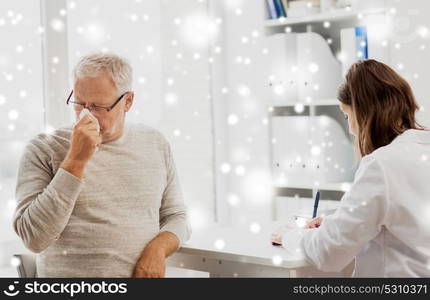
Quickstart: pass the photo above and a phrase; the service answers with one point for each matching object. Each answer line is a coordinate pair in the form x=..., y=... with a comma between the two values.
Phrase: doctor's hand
x=314, y=223
x=151, y=264
x=84, y=142
x=276, y=239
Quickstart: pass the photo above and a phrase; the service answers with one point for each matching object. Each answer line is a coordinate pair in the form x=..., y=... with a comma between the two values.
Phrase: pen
x=317, y=200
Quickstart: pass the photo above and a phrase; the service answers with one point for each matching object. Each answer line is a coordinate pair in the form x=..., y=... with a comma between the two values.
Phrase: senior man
x=100, y=203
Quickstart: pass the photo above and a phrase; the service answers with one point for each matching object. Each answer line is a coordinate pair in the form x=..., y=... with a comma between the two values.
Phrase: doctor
x=384, y=219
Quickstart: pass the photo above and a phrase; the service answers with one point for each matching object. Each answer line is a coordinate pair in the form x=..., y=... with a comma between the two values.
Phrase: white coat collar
x=414, y=135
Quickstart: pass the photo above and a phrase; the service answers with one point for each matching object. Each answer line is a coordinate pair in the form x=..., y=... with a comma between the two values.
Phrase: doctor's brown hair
x=382, y=102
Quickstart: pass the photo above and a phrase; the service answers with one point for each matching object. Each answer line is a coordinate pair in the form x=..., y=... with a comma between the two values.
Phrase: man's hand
x=151, y=264
x=84, y=142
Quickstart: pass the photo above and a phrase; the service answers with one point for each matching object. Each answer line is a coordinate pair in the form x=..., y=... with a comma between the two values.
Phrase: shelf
x=329, y=108
x=321, y=102
x=328, y=191
x=337, y=15
x=337, y=186
x=338, y=19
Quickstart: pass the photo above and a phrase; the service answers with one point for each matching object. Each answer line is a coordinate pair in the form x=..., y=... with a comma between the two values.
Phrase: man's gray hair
x=116, y=67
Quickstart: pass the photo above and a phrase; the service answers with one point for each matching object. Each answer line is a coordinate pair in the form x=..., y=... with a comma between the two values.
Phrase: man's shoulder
x=56, y=140
x=147, y=132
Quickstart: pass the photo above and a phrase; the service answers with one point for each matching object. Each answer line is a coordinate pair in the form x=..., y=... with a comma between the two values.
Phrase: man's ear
x=129, y=101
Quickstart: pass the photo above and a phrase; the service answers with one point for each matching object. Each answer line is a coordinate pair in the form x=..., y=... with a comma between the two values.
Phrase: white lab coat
x=383, y=220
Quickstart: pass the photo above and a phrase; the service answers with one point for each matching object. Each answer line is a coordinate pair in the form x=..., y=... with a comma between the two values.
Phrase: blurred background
x=245, y=91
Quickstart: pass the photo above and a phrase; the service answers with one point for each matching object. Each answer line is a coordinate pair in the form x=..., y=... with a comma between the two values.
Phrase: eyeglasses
x=79, y=106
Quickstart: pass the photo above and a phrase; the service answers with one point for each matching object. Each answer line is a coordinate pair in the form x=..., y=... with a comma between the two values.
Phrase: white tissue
x=85, y=112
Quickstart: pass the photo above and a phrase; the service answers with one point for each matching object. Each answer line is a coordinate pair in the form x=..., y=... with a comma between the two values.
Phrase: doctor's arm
x=359, y=219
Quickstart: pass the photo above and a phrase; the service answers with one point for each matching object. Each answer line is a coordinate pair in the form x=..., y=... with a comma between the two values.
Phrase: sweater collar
x=122, y=139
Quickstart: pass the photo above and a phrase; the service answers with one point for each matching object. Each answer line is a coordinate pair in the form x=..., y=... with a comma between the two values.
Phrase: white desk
x=245, y=254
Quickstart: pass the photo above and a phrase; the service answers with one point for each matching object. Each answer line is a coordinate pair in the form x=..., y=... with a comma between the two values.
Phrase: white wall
x=410, y=45
x=248, y=183
x=185, y=36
